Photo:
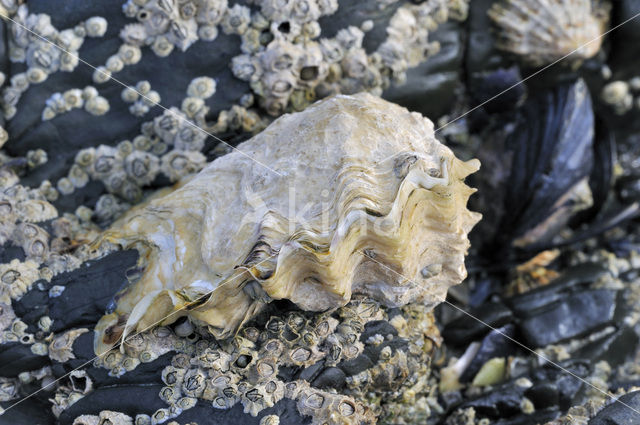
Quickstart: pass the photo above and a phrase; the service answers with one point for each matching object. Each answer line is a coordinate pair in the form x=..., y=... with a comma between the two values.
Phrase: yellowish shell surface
x=544, y=31
x=354, y=195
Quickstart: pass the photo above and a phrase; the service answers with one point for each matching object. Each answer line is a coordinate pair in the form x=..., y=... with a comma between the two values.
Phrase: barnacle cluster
x=541, y=32
x=292, y=237
x=297, y=67
x=59, y=103
x=44, y=49
x=245, y=369
x=622, y=96
x=141, y=97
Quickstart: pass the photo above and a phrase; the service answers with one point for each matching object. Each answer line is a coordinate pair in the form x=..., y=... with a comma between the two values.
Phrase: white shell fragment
x=354, y=195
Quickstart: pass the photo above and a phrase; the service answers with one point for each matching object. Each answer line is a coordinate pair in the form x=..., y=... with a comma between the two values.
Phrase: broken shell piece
x=354, y=195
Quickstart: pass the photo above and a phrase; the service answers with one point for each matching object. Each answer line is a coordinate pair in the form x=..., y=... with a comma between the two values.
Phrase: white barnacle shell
x=618, y=95
x=236, y=20
x=4, y=136
x=161, y=46
x=141, y=167
x=208, y=32
x=134, y=34
x=96, y=26
x=101, y=75
x=541, y=31
x=202, y=87
x=73, y=98
x=129, y=95
x=183, y=33
x=114, y=64
x=36, y=75
x=276, y=10
x=60, y=349
x=16, y=278
x=178, y=164
x=246, y=68
x=36, y=210
x=97, y=106
x=211, y=12
x=129, y=54
x=383, y=200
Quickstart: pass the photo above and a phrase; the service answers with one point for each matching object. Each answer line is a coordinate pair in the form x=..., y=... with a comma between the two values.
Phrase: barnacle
x=16, y=279
x=389, y=174
x=60, y=349
x=201, y=87
x=97, y=106
x=237, y=20
x=96, y=26
x=541, y=32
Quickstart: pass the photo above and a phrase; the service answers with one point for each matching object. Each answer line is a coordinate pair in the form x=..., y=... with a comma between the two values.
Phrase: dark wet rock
x=498, y=91
x=331, y=377
x=285, y=409
x=572, y=279
x=9, y=252
x=615, y=348
x=128, y=399
x=357, y=365
x=537, y=417
x=381, y=327
x=16, y=358
x=502, y=402
x=29, y=412
x=88, y=290
x=450, y=399
x=618, y=413
x=143, y=399
x=481, y=51
x=465, y=329
x=568, y=385
x=571, y=317
x=309, y=373
x=543, y=394
x=495, y=344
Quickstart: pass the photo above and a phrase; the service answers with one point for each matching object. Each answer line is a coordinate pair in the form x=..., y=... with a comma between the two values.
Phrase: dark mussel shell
x=541, y=165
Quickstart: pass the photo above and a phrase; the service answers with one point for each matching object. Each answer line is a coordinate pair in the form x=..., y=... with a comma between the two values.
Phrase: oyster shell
x=543, y=31
x=357, y=193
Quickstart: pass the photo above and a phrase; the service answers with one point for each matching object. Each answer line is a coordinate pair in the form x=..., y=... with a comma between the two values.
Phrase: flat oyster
x=342, y=198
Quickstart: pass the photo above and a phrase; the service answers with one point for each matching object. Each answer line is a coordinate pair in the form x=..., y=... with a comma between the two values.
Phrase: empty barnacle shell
x=310, y=256
x=541, y=31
